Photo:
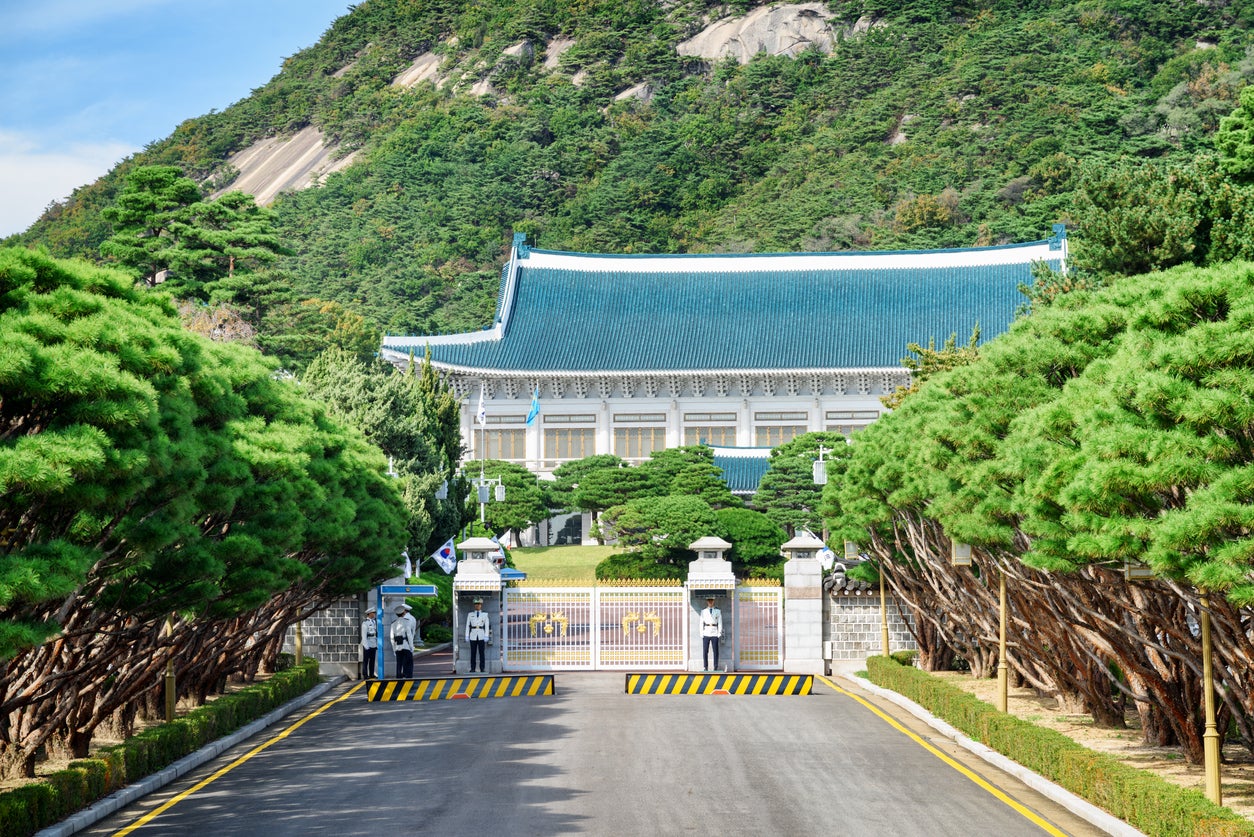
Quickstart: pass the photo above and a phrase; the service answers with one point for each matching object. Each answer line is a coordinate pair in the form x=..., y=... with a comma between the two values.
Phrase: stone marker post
x=803, y=606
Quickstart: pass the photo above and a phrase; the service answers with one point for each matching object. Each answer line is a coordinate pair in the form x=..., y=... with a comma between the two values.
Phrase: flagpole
x=483, y=453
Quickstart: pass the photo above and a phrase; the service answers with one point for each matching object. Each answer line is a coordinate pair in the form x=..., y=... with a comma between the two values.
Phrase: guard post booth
x=387, y=596
x=711, y=575
x=477, y=577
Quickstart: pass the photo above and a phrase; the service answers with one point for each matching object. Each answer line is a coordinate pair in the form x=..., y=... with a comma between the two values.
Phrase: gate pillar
x=477, y=577
x=711, y=575
x=803, y=606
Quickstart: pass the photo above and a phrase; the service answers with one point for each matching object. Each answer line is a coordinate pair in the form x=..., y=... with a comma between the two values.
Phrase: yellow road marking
x=974, y=777
x=150, y=816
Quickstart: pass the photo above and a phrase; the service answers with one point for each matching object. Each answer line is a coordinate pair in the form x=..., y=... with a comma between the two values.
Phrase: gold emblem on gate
x=632, y=619
x=547, y=623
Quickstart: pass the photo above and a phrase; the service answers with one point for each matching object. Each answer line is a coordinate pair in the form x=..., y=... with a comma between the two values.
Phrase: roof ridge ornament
x=1059, y=237
x=521, y=247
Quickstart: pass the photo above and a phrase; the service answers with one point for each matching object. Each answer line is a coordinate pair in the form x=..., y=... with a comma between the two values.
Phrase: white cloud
x=31, y=178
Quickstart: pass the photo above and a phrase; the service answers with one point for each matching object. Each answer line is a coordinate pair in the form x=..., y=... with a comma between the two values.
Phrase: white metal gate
x=547, y=628
x=610, y=627
x=642, y=627
x=759, y=628
x=594, y=628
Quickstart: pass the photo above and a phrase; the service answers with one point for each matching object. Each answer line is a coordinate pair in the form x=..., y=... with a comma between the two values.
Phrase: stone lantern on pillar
x=710, y=576
x=803, y=605
x=477, y=578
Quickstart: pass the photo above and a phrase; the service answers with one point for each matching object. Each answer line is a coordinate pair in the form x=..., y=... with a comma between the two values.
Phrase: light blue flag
x=535, y=405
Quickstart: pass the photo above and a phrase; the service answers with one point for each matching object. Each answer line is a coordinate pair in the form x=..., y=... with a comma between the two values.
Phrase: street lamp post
x=960, y=556
x=1211, y=741
x=820, y=477
x=483, y=486
x=171, y=691
x=1003, y=669
x=1210, y=738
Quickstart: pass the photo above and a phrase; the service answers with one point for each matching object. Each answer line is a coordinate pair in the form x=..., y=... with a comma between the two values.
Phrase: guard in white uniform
x=711, y=632
x=369, y=643
x=404, y=629
x=478, y=634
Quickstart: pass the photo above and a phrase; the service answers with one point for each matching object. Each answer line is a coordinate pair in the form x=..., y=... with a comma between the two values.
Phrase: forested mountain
x=586, y=124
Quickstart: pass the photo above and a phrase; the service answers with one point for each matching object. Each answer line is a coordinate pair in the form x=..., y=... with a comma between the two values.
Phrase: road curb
x=102, y=808
x=1080, y=807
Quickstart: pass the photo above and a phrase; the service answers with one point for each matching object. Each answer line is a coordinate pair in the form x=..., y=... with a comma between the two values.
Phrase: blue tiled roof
x=742, y=473
x=732, y=313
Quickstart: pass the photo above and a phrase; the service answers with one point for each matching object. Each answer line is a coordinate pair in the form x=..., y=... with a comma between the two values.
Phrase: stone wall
x=852, y=630
x=332, y=637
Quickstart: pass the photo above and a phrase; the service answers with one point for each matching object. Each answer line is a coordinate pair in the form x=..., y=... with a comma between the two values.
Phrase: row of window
x=562, y=444
x=689, y=418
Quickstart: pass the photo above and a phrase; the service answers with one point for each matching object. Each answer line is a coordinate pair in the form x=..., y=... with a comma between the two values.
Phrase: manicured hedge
x=27, y=809
x=1154, y=805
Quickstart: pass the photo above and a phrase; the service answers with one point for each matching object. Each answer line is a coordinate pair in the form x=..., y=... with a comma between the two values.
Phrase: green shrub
x=435, y=634
x=906, y=657
x=636, y=565
x=1154, y=805
x=27, y=809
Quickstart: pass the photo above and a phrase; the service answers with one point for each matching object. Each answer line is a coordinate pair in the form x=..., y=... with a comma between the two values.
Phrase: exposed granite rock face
x=776, y=30
x=425, y=67
x=275, y=165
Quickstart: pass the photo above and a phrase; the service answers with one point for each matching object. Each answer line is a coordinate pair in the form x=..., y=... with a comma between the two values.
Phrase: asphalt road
x=593, y=760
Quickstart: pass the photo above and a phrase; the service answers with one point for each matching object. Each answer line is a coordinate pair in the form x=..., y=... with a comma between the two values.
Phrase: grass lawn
x=545, y=563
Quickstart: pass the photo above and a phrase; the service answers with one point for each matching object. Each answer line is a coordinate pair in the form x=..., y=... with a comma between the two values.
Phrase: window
x=773, y=435
x=849, y=422
x=562, y=444
x=834, y=415
x=639, y=417
x=510, y=445
x=570, y=419
x=709, y=428
x=637, y=443
x=712, y=434
x=505, y=419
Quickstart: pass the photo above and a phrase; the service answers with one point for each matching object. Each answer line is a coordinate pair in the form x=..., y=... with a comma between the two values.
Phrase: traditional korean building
x=631, y=354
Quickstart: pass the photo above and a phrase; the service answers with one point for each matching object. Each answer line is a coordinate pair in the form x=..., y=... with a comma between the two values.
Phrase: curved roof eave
x=394, y=356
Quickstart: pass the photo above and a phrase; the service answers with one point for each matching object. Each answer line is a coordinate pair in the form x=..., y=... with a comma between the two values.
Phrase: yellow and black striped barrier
x=718, y=683
x=455, y=688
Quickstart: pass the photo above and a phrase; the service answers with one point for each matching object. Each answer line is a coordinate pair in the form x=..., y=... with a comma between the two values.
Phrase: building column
x=605, y=430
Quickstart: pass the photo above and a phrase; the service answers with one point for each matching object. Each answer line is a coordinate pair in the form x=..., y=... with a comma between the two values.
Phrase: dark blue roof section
x=564, y=312
x=742, y=473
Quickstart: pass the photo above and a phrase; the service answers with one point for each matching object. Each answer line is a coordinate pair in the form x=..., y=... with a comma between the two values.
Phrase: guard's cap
x=401, y=609
x=370, y=611
x=477, y=600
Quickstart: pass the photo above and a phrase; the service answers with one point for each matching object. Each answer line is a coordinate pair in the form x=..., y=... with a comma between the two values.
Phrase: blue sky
x=85, y=83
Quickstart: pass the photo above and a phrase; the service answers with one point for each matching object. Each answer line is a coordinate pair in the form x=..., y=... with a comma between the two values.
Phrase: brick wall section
x=853, y=626
x=332, y=637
